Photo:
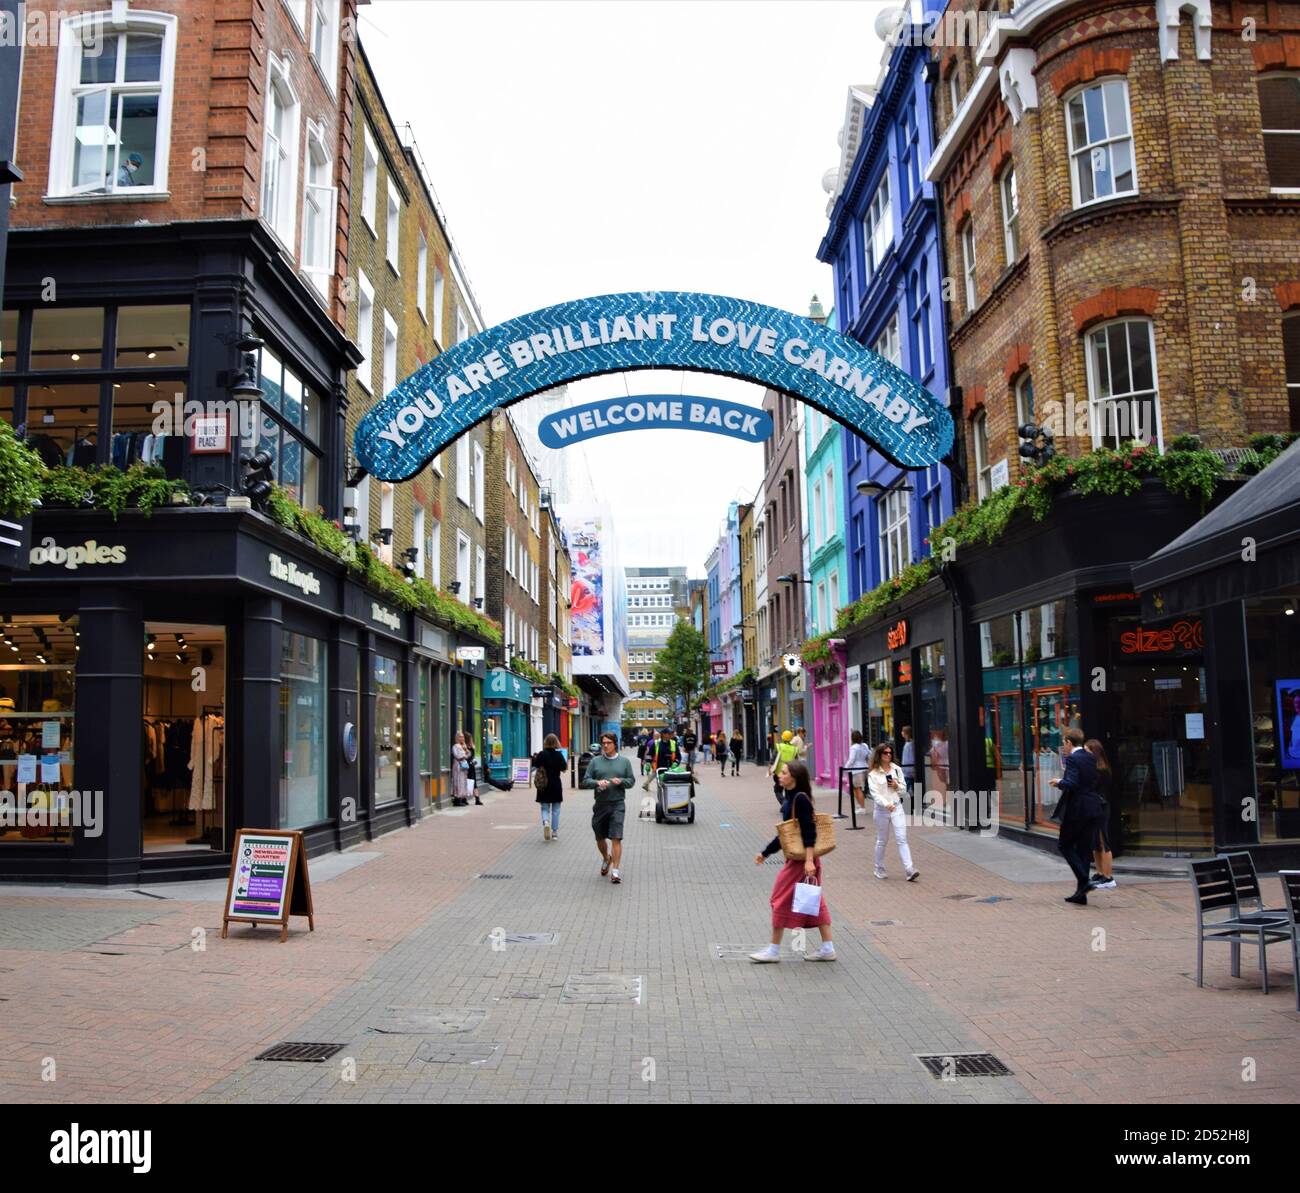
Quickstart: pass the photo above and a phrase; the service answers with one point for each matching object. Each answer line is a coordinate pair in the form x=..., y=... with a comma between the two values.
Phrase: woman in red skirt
x=798, y=803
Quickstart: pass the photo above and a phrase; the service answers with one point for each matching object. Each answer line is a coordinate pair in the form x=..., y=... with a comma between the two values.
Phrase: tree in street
x=682, y=667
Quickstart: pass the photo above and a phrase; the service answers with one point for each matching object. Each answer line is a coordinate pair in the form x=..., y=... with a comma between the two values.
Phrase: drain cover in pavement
x=601, y=987
x=495, y=876
x=417, y=1021
x=995, y=899
x=435, y=1052
x=884, y=923
x=959, y=896
x=523, y=938
x=301, y=1052
x=963, y=1064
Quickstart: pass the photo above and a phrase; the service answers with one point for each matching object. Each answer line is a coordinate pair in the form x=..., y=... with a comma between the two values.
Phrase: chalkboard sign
x=268, y=880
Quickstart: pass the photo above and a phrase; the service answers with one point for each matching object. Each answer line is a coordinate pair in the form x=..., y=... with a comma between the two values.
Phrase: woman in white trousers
x=886, y=785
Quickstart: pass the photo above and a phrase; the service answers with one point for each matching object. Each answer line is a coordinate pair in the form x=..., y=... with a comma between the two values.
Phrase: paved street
x=642, y=993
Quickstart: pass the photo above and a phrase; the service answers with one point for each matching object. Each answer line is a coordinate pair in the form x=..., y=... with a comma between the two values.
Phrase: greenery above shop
x=739, y=680
x=537, y=677
x=21, y=472
x=1185, y=468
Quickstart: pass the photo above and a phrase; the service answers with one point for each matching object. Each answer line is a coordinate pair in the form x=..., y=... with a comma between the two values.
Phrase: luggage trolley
x=674, y=796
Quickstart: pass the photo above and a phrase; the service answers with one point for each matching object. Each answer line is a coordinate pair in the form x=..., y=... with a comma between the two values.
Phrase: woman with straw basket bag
x=804, y=835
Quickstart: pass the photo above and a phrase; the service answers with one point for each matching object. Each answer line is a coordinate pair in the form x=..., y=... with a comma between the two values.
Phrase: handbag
x=807, y=898
x=787, y=832
x=540, y=778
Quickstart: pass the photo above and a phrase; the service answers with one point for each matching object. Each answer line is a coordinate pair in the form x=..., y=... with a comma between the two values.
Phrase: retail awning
x=1248, y=546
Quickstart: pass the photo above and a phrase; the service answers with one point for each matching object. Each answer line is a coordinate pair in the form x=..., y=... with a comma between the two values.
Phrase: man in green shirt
x=610, y=776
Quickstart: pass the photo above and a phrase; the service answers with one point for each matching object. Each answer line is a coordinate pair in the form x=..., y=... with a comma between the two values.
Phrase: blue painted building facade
x=885, y=248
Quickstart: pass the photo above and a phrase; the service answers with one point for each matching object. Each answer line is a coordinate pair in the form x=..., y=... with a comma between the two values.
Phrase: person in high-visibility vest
x=786, y=751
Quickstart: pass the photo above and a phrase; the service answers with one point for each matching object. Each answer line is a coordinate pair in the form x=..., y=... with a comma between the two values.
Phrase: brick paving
x=403, y=972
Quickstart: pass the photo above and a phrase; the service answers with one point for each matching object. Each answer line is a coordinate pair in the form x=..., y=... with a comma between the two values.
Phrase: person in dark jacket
x=794, y=778
x=1078, y=786
x=734, y=749
x=1104, y=878
x=720, y=749
x=550, y=762
x=663, y=755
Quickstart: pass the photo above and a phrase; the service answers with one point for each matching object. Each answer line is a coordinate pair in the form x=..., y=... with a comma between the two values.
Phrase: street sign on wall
x=667, y=329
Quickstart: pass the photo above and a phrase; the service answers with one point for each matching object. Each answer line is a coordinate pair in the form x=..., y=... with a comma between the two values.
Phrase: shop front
x=830, y=735
x=1220, y=623
x=507, y=722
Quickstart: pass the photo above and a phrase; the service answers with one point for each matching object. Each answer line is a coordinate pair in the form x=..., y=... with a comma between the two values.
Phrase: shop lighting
x=151, y=355
x=76, y=356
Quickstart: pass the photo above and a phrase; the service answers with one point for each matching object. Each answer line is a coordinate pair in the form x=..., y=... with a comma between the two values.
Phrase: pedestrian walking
x=735, y=749
x=548, y=778
x=857, y=763
x=797, y=804
x=1104, y=878
x=785, y=752
x=610, y=775
x=690, y=744
x=663, y=754
x=643, y=744
x=706, y=747
x=908, y=760
x=800, y=747
x=459, y=772
x=722, y=753
x=1079, y=809
x=886, y=785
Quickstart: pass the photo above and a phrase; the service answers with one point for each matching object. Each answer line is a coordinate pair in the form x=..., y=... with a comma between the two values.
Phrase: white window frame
x=463, y=576
x=479, y=470
x=894, y=515
x=366, y=331
x=510, y=551
x=439, y=299
x=480, y=574
x=1009, y=189
x=435, y=554
x=954, y=94
x=1097, y=402
x=462, y=326
x=73, y=32
x=317, y=247
x=297, y=9
x=968, y=262
x=979, y=433
x=1278, y=132
x=833, y=595
x=877, y=227
x=1024, y=411
x=283, y=220
x=417, y=539
x=422, y=277
x=887, y=342
x=369, y=178
x=390, y=357
x=536, y=576
x=1084, y=156
x=463, y=476
x=386, y=496
x=326, y=13
x=393, y=226
x=819, y=515
x=820, y=613
x=829, y=482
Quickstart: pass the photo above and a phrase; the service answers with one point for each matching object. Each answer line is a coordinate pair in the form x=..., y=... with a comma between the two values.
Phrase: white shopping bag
x=807, y=899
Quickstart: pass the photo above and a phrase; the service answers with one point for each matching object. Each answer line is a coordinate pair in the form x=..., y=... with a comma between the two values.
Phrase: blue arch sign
x=666, y=329
x=644, y=412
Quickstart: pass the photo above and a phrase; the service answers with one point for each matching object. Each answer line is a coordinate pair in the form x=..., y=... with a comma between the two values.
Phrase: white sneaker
x=822, y=954
x=769, y=955
x=546, y=832
x=879, y=872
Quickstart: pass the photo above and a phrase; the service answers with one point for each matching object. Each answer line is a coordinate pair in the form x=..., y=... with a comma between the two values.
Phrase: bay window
x=1123, y=395
x=1101, y=143
x=291, y=430
x=886, y=344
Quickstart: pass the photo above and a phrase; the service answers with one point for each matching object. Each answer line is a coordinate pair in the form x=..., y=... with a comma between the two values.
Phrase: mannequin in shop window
x=205, y=760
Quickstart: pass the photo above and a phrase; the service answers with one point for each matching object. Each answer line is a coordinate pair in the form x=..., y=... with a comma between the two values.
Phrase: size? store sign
x=1182, y=636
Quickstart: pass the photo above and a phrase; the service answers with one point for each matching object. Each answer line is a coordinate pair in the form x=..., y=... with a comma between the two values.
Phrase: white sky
x=593, y=147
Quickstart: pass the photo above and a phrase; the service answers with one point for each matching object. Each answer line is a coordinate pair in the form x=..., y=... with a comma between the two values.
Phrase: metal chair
x=1250, y=899
x=1215, y=891
x=1291, y=888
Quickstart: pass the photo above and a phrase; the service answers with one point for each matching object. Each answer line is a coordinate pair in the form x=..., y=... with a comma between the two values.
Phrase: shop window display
x=934, y=705
x=388, y=729
x=38, y=669
x=1273, y=644
x=183, y=737
x=303, y=700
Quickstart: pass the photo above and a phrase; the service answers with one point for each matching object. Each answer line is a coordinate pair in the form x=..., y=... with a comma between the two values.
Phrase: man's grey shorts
x=607, y=820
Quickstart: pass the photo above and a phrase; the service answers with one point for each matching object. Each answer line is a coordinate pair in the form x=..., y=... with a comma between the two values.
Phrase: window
x=536, y=575
x=462, y=565
x=861, y=579
x=1010, y=214
x=366, y=330
x=388, y=728
x=363, y=507
x=422, y=277
x=830, y=503
x=1101, y=143
x=983, y=469
x=417, y=539
x=1024, y=399
x=112, y=109
x=318, y=205
x=291, y=430
x=1291, y=354
x=390, y=353
x=877, y=228
x=887, y=342
x=386, y=521
x=510, y=551
x=437, y=305
x=922, y=353
x=968, y=262
x=325, y=38
x=820, y=615
x=954, y=94
x=908, y=161
x=462, y=326
x=435, y=554
x=894, y=516
x=834, y=593
x=369, y=177
x=463, y=477
x=480, y=575
x=478, y=482
x=512, y=474
x=280, y=154
x=392, y=247
x=298, y=10
x=1279, y=110
x=1122, y=392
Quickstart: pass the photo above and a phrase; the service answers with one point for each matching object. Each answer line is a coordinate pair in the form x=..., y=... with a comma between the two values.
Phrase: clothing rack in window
x=216, y=711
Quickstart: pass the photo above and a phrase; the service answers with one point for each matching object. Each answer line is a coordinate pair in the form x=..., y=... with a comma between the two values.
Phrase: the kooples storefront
x=203, y=671
x=899, y=683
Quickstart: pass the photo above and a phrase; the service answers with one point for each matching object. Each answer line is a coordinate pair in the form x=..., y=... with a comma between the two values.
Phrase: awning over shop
x=506, y=685
x=1248, y=546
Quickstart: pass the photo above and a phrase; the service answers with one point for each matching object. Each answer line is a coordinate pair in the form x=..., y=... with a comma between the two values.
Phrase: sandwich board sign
x=268, y=880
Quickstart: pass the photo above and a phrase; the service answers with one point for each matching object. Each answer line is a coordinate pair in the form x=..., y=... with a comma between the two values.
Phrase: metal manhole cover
x=520, y=938
x=420, y=1021
x=494, y=876
x=884, y=923
x=959, y=896
x=946, y=1066
x=300, y=1052
x=601, y=988
x=435, y=1052
x=995, y=899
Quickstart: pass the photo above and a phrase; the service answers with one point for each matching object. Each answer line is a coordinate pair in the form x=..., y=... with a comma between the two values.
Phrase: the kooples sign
x=384, y=616
x=705, y=333
x=83, y=554
x=291, y=573
x=1183, y=636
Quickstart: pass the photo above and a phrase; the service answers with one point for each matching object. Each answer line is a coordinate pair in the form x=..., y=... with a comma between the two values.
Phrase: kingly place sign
x=652, y=330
